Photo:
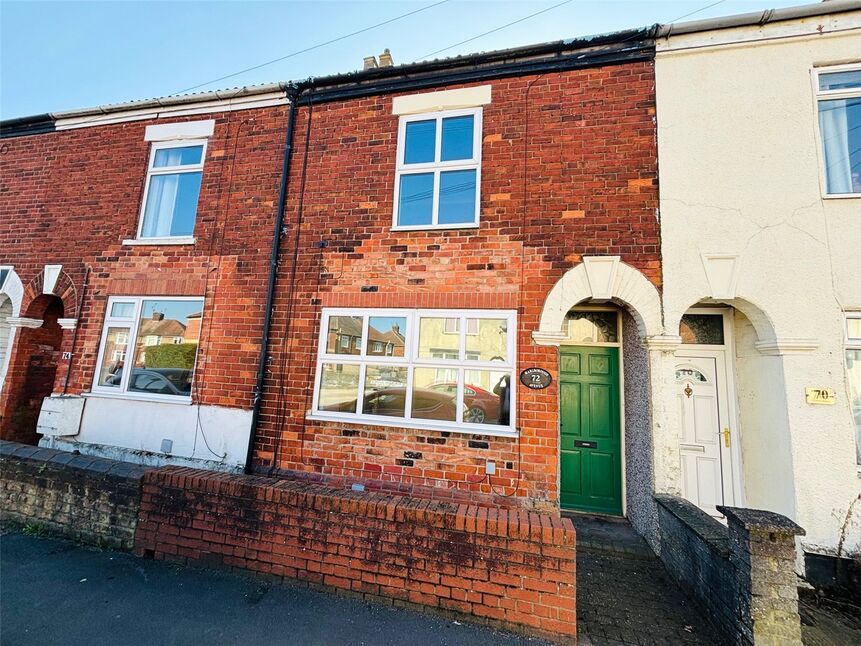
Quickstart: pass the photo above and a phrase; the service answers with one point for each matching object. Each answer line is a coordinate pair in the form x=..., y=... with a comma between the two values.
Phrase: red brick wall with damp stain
x=513, y=569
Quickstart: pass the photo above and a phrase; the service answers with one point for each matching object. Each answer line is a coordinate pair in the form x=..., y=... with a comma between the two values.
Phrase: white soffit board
x=52, y=273
x=180, y=130
x=601, y=272
x=468, y=97
x=722, y=274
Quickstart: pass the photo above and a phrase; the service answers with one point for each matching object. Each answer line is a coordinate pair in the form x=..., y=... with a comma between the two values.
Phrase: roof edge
x=758, y=17
x=367, y=79
x=46, y=122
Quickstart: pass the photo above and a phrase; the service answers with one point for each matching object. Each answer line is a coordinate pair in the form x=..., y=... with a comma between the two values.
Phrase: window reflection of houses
x=345, y=337
x=388, y=343
x=158, y=330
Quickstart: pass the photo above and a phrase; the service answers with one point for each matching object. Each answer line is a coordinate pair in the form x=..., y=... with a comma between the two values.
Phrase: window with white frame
x=433, y=378
x=172, y=189
x=838, y=91
x=853, y=374
x=438, y=170
x=139, y=355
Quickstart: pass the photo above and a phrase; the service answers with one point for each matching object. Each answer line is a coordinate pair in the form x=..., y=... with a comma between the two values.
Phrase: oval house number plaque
x=535, y=378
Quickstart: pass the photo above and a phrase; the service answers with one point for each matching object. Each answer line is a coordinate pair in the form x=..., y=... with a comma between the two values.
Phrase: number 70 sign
x=819, y=395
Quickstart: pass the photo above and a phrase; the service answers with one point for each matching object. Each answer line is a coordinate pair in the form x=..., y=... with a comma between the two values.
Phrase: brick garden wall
x=71, y=197
x=568, y=169
x=505, y=568
x=83, y=498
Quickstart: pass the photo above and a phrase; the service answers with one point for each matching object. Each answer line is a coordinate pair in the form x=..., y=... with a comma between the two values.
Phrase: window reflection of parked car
x=158, y=381
x=480, y=406
x=391, y=402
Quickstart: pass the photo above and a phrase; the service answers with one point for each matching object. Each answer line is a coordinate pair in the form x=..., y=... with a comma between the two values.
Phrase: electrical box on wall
x=166, y=445
x=490, y=467
x=60, y=415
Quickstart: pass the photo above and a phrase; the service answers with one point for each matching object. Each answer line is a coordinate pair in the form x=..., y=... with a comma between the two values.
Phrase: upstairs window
x=839, y=101
x=172, y=190
x=438, y=170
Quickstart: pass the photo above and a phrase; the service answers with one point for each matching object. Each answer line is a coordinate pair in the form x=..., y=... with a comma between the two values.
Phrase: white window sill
x=435, y=227
x=141, y=242
x=842, y=196
x=412, y=424
x=163, y=399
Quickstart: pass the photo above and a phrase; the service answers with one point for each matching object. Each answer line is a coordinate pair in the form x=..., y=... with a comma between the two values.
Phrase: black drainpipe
x=293, y=95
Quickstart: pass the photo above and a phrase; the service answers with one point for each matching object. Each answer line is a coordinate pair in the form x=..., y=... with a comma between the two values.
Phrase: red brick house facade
x=440, y=222
x=71, y=195
x=567, y=171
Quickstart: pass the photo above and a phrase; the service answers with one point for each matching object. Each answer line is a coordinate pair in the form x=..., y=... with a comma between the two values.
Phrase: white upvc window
x=838, y=98
x=139, y=357
x=431, y=379
x=853, y=374
x=174, y=176
x=438, y=170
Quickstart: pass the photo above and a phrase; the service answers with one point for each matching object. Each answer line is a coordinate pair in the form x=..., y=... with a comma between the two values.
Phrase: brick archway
x=33, y=368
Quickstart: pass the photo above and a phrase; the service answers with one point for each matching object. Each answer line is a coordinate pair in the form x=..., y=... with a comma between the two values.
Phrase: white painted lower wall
x=133, y=431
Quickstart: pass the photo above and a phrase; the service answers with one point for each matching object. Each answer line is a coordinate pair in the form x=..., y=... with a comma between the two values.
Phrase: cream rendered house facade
x=759, y=130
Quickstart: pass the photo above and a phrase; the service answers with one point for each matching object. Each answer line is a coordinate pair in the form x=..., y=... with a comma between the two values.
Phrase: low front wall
x=742, y=573
x=508, y=568
x=89, y=499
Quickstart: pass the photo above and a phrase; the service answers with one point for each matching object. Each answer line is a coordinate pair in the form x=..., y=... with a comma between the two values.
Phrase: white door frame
x=726, y=369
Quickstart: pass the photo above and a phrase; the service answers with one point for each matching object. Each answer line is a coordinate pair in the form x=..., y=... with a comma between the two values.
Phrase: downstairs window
x=442, y=369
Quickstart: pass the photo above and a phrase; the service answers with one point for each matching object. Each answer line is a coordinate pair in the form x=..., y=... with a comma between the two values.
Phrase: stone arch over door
x=600, y=279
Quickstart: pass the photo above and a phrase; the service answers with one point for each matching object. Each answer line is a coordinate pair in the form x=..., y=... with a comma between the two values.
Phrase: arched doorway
x=731, y=409
x=33, y=368
x=599, y=314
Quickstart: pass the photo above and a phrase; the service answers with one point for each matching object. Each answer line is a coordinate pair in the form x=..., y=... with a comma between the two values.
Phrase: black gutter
x=37, y=124
x=292, y=95
x=631, y=52
x=559, y=48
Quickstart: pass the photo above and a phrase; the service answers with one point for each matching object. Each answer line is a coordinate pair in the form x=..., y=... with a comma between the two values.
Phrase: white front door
x=705, y=446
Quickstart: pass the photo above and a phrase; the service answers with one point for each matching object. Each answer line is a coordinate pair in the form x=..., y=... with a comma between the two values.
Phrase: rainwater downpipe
x=293, y=96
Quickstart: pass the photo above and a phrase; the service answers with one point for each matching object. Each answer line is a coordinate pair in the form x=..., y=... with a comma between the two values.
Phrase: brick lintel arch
x=63, y=288
x=600, y=279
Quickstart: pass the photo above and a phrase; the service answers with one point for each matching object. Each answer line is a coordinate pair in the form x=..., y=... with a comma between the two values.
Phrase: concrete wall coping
x=64, y=459
x=762, y=521
x=712, y=532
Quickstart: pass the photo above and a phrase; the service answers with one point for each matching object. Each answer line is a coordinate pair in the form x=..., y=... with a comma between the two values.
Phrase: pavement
x=624, y=594
x=56, y=592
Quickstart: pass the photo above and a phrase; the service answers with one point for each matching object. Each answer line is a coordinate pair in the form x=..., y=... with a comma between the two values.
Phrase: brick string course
x=507, y=568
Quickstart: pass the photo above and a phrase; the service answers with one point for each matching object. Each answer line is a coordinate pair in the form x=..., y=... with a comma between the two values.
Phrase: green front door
x=590, y=442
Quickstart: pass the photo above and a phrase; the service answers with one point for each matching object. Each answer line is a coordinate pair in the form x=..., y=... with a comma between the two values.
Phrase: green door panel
x=590, y=434
x=600, y=410
x=573, y=484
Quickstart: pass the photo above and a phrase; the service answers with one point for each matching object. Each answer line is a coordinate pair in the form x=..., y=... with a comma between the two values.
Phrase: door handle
x=726, y=440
